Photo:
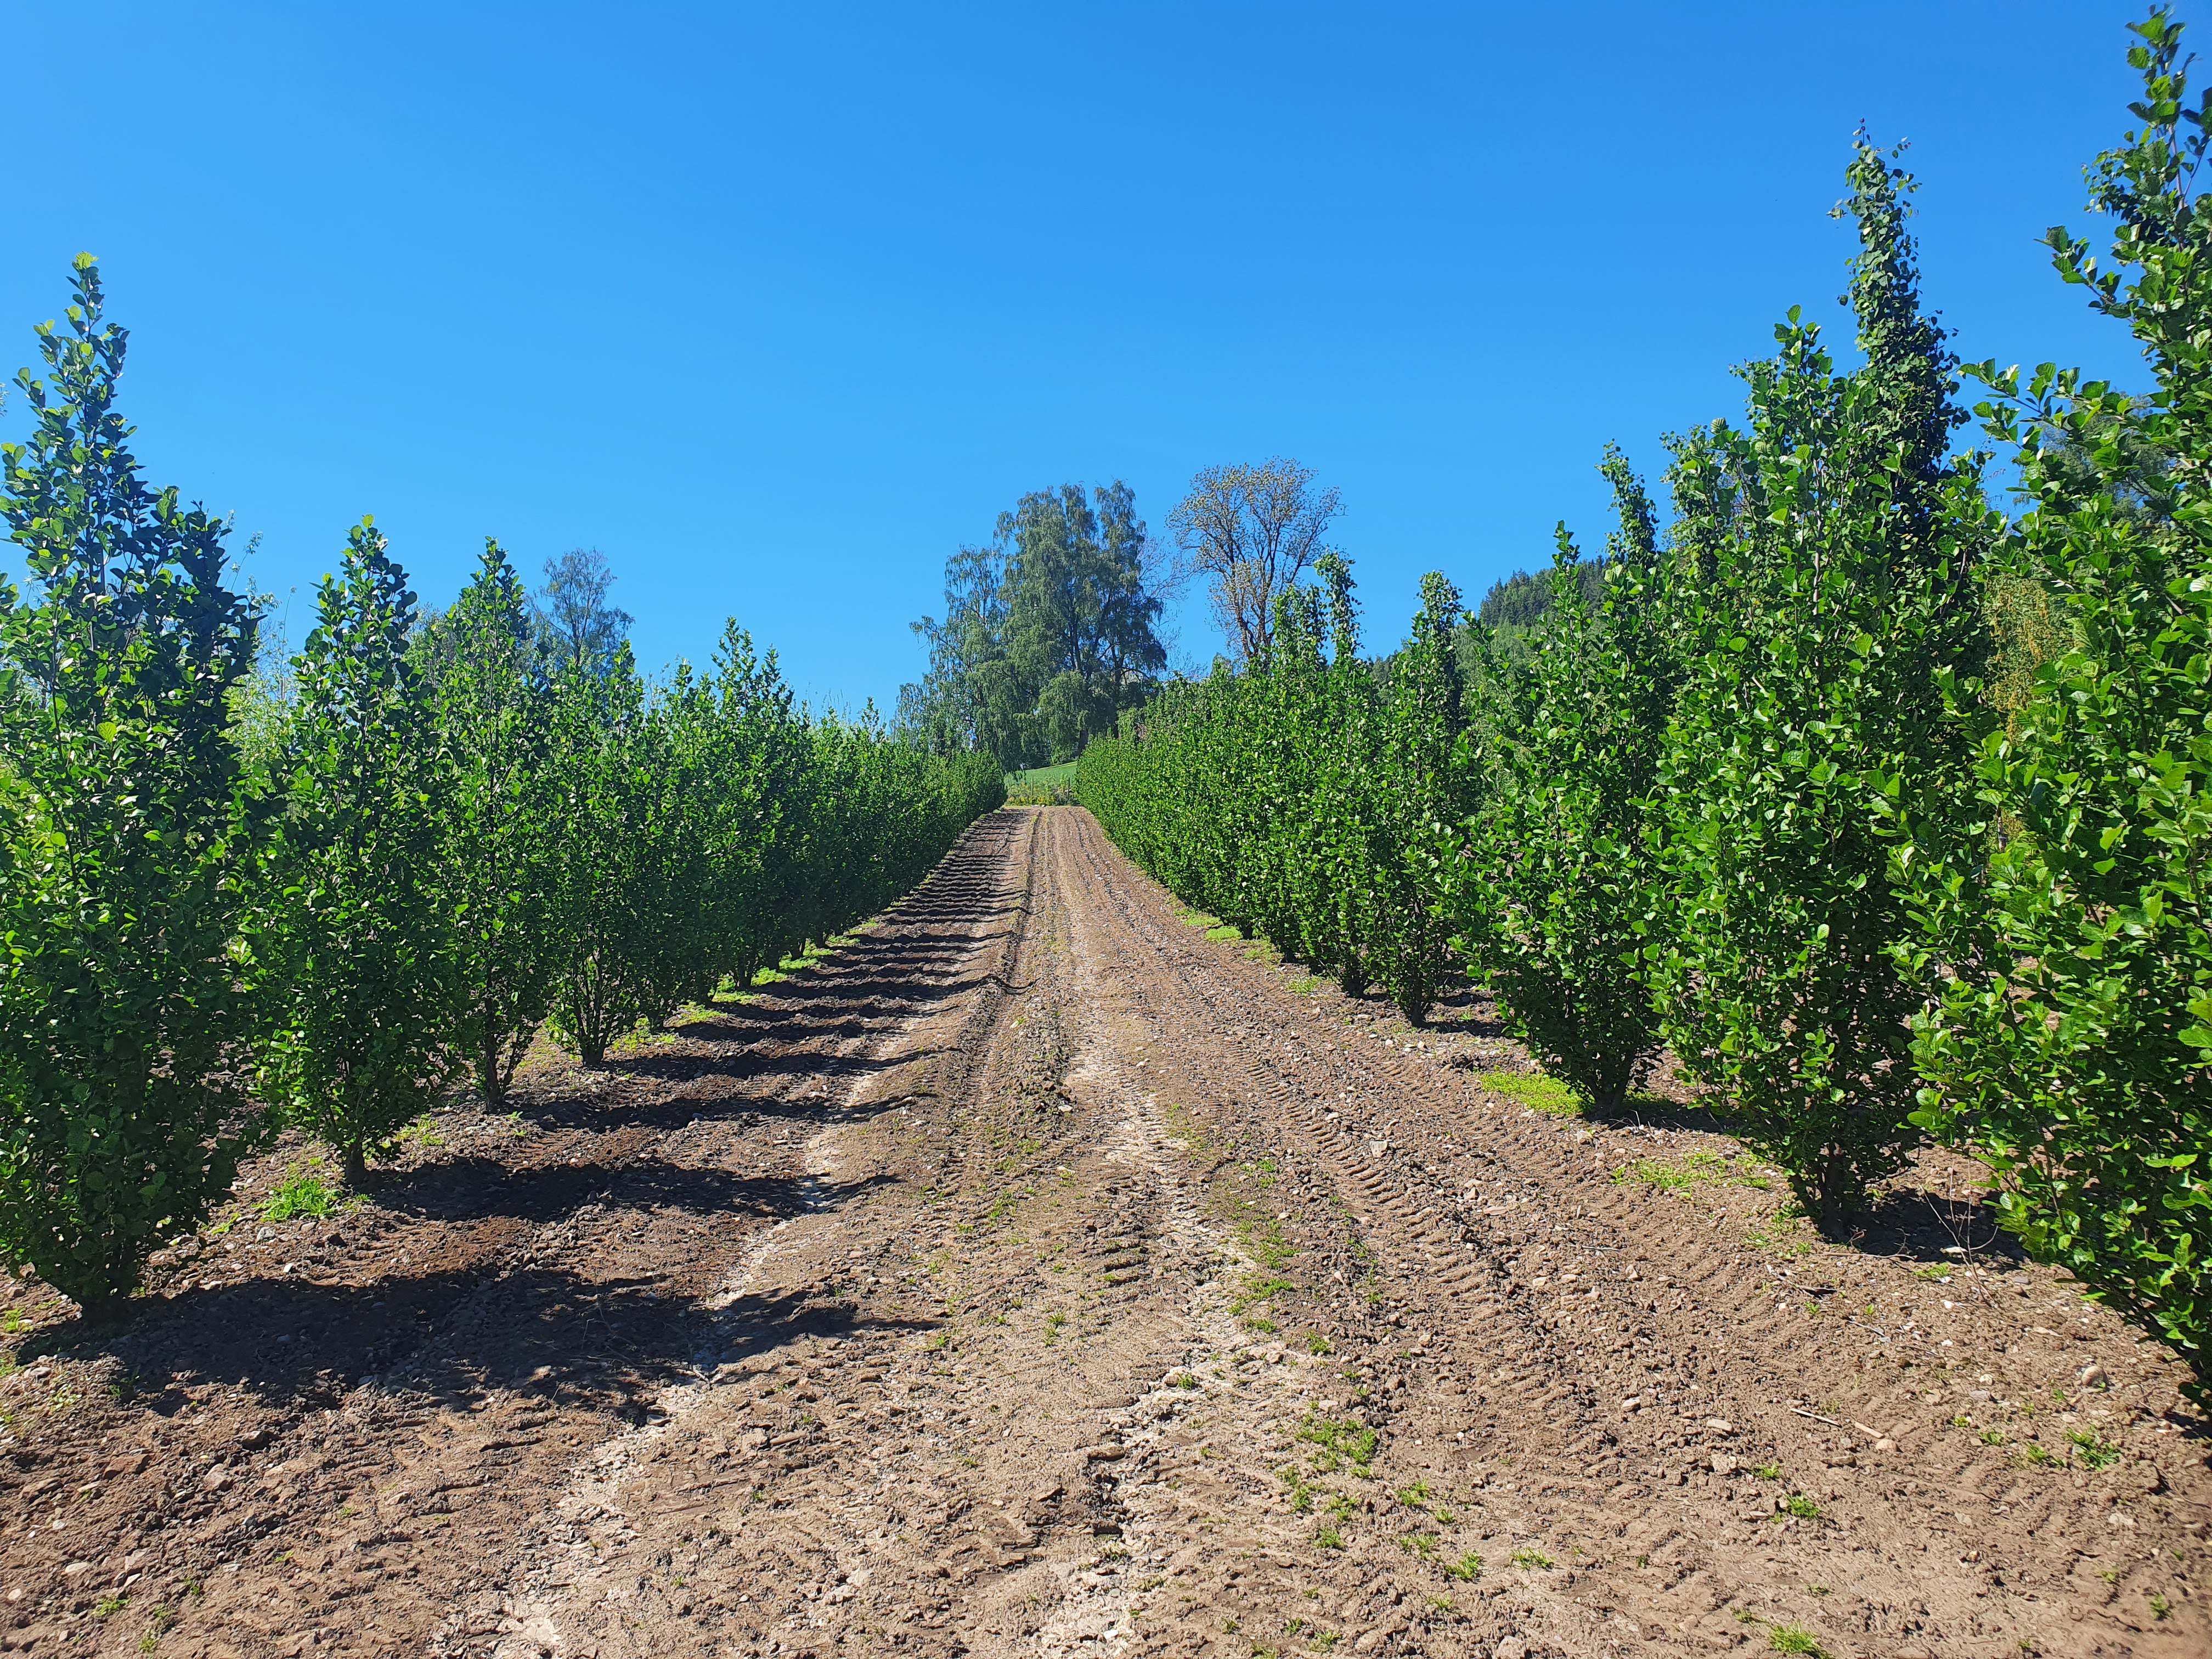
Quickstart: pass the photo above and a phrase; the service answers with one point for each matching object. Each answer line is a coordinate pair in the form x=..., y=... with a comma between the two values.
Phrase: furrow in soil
x=1041, y=1274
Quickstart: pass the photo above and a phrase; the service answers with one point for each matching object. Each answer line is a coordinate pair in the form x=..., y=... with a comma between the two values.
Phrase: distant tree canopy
x=1523, y=599
x=575, y=624
x=1252, y=532
x=571, y=624
x=1047, y=633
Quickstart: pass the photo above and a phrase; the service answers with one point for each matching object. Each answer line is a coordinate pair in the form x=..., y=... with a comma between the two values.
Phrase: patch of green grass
x=1767, y=1471
x=1466, y=1569
x=1259, y=1287
x=1790, y=1638
x=1316, y=1343
x=1676, y=1175
x=1042, y=777
x=1338, y=1443
x=1526, y=1560
x=1329, y=1538
x=1801, y=1506
x=108, y=1606
x=2033, y=1456
x=1224, y=933
x=422, y=1132
x=2096, y=1453
x=1535, y=1090
x=301, y=1192
x=160, y=1620
x=1423, y=1544
x=1993, y=1437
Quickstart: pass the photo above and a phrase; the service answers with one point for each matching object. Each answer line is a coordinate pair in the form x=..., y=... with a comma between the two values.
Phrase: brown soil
x=1029, y=1277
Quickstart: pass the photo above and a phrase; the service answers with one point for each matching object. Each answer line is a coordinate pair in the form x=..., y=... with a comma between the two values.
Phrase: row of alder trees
x=1886, y=815
x=445, y=839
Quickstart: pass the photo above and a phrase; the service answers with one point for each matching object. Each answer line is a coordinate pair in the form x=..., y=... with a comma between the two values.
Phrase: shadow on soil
x=450, y=1336
x=450, y=1331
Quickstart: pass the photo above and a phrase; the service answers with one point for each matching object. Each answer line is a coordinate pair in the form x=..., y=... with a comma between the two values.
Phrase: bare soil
x=1039, y=1274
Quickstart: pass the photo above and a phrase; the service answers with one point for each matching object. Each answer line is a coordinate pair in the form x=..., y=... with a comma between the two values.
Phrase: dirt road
x=1039, y=1274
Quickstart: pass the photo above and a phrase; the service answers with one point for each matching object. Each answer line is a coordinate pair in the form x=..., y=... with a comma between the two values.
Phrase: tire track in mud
x=1586, y=1459
x=1036, y=1276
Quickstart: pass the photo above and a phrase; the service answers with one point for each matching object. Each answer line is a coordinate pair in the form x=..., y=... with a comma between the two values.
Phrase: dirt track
x=1040, y=1275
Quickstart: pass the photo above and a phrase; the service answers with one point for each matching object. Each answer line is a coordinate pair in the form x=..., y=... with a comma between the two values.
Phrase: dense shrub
x=126, y=841
x=1302, y=799
x=1553, y=881
x=2071, y=1034
x=1832, y=548
x=352, y=940
x=353, y=880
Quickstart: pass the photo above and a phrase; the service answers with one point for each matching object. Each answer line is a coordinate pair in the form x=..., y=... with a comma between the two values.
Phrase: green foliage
x=301, y=1192
x=2072, y=1031
x=123, y=1006
x=1521, y=600
x=348, y=931
x=1553, y=883
x=710, y=829
x=1300, y=800
x=347, y=880
x=1830, y=553
x=1048, y=634
x=499, y=857
x=601, y=770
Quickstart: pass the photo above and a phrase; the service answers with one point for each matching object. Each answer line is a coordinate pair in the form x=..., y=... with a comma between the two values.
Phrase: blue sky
x=776, y=306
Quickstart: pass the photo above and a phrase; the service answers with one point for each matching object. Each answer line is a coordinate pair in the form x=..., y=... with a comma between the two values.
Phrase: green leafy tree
x=1832, y=551
x=1422, y=793
x=2070, y=1043
x=1301, y=798
x=352, y=934
x=578, y=626
x=125, y=1011
x=600, y=771
x=1049, y=634
x=499, y=856
x=1554, y=882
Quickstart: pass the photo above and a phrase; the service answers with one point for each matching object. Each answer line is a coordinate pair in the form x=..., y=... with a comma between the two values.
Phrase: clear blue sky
x=776, y=306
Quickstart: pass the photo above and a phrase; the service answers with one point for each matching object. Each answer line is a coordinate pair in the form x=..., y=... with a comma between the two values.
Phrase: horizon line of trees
x=1887, y=815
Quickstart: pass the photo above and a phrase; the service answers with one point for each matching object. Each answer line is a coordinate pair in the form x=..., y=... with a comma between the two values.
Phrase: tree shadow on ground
x=1914, y=1225
x=472, y=1188
x=449, y=1335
